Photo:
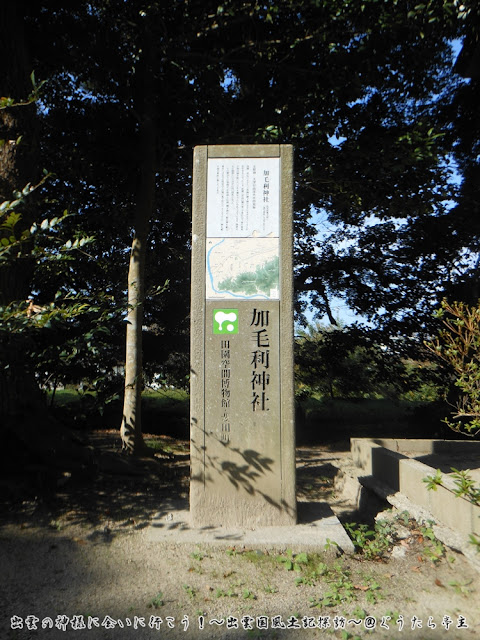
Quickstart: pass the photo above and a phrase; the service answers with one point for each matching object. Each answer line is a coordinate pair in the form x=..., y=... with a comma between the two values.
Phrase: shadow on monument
x=243, y=477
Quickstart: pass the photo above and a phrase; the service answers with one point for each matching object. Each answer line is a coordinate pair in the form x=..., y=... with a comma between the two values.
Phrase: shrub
x=458, y=344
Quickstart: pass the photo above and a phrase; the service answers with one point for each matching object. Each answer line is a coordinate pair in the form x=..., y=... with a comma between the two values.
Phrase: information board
x=242, y=415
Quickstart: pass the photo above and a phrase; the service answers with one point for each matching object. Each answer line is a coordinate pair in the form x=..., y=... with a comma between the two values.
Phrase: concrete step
x=318, y=530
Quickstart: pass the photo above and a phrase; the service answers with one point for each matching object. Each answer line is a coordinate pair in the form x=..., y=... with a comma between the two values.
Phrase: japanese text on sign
x=243, y=197
x=225, y=389
x=260, y=360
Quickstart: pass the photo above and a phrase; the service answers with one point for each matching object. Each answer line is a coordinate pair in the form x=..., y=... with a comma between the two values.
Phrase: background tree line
x=101, y=105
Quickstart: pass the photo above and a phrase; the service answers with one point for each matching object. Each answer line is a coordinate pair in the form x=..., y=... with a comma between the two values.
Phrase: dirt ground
x=73, y=554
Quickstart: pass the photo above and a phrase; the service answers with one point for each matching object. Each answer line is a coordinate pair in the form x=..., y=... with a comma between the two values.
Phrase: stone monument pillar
x=242, y=401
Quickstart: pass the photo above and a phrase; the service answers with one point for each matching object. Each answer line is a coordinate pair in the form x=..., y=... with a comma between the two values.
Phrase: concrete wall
x=405, y=475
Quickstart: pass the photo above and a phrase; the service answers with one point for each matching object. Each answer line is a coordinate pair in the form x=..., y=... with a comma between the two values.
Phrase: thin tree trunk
x=330, y=388
x=131, y=429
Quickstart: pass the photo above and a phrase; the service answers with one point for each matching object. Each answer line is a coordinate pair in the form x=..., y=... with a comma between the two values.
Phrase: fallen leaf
x=415, y=568
x=439, y=583
x=79, y=540
x=361, y=587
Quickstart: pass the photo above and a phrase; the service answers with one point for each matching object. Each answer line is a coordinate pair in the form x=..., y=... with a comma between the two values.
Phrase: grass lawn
x=166, y=412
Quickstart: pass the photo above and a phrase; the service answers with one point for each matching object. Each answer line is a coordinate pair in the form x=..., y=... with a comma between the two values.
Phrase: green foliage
x=331, y=544
x=270, y=589
x=226, y=593
x=465, y=485
x=166, y=411
x=435, y=550
x=433, y=482
x=198, y=555
x=189, y=590
x=347, y=362
x=367, y=74
x=320, y=418
x=465, y=488
x=157, y=601
x=293, y=562
x=371, y=543
x=9, y=103
x=341, y=588
x=461, y=588
x=62, y=336
x=458, y=344
x=474, y=539
x=424, y=380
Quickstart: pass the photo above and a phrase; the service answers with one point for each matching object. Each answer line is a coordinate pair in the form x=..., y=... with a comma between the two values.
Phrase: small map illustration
x=243, y=268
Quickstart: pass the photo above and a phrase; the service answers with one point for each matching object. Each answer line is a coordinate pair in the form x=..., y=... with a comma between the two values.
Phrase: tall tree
x=394, y=241
x=463, y=116
x=355, y=86
x=131, y=430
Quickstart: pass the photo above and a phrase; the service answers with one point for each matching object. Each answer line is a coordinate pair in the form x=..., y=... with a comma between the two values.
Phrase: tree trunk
x=131, y=428
x=330, y=389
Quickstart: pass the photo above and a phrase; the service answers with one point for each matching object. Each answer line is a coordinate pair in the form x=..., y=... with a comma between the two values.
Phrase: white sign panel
x=243, y=197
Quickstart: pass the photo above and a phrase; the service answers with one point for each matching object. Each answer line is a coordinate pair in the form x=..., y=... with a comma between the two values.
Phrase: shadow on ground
x=113, y=493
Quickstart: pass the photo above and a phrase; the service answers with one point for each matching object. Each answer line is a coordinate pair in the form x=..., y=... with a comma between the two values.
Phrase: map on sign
x=244, y=268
